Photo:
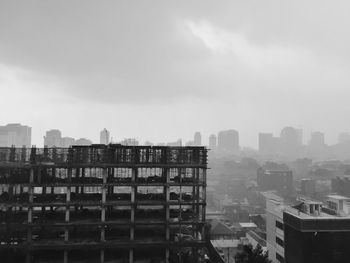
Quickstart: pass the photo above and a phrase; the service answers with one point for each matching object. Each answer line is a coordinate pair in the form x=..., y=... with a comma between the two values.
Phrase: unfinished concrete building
x=102, y=203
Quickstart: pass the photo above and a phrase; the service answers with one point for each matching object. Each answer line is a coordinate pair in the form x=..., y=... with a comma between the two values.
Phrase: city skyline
x=316, y=140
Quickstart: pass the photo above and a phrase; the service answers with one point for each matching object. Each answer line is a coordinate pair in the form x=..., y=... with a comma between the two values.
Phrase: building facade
x=102, y=203
x=197, y=139
x=228, y=141
x=53, y=138
x=277, y=180
x=212, y=142
x=104, y=136
x=308, y=232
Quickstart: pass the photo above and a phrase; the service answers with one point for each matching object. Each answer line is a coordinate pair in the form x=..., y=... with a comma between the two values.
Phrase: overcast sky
x=161, y=70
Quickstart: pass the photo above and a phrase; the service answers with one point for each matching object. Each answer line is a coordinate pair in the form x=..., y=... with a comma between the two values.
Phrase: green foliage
x=250, y=255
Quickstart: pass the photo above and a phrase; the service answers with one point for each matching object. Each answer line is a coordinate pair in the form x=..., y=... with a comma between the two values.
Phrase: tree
x=250, y=255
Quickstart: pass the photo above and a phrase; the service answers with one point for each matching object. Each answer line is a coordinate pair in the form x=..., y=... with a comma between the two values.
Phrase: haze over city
x=252, y=66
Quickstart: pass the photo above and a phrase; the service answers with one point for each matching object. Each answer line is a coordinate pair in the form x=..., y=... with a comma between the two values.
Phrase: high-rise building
x=53, y=138
x=290, y=142
x=308, y=231
x=268, y=144
x=197, y=139
x=277, y=180
x=212, y=142
x=317, y=140
x=15, y=134
x=103, y=203
x=341, y=185
x=316, y=147
x=228, y=141
x=104, y=136
x=308, y=187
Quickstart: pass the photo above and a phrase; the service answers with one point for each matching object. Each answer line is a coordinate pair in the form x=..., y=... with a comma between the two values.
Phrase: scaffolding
x=102, y=203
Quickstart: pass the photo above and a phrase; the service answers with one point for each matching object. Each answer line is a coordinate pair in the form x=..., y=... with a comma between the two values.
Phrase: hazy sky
x=161, y=70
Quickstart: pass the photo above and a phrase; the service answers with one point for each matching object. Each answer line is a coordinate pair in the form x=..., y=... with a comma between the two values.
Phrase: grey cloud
x=139, y=51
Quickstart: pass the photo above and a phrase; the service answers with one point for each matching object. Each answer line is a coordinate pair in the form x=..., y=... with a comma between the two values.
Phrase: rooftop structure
x=102, y=203
x=309, y=231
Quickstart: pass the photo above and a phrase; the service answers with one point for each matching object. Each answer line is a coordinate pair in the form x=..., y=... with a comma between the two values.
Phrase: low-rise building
x=309, y=231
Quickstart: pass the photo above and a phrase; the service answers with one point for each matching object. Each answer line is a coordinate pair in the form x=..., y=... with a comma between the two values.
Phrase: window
x=279, y=242
x=279, y=258
x=279, y=225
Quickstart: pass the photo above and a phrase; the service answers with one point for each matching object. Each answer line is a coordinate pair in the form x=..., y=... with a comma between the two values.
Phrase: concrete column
x=68, y=194
x=65, y=256
x=103, y=214
x=131, y=255
x=105, y=175
x=104, y=193
x=133, y=208
x=102, y=256
x=134, y=175
x=167, y=212
x=167, y=255
x=103, y=234
x=66, y=235
x=31, y=192
x=132, y=232
x=67, y=219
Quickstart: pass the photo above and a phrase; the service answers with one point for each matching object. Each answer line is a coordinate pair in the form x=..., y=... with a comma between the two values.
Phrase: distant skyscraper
x=317, y=140
x=212, y=141
x=228, y=141
x=53, y=138
x=276, y=180
x=267, y=144
x=104, y=136
x=15, y=134
x=197, y=139
x=290, y=142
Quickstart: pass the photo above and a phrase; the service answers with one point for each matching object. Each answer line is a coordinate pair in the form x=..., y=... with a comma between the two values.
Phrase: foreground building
x=102, y=203
x=309, y=232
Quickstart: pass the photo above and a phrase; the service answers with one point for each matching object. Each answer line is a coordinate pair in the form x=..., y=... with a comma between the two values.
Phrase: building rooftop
x=248, y=225
x=271, y=195
x=223, y=243
x=311, y=209
x=308, y=200
x=218, y=228
x=338, y=197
